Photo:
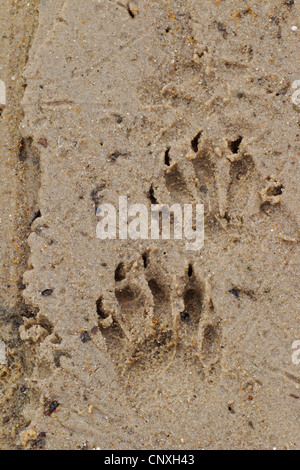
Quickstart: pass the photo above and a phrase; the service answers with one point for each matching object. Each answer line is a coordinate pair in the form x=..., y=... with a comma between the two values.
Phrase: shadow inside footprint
x=156, y=348
x=210, y=341
x=176, y=185
x=191, y=315
x=162, y=307
x=242, y=187
x=205, y=171
x=192, y=308
x=211, y=346
x=110, y=329
x=132, y=311
x=120, y=273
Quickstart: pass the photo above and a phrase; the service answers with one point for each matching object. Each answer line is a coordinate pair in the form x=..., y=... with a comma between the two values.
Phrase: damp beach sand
x=140, y=343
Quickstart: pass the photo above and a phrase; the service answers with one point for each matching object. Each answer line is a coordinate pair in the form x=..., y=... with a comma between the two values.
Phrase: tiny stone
x=47, y=292
x=50, y=406
x=235, y=291
x=85, y=337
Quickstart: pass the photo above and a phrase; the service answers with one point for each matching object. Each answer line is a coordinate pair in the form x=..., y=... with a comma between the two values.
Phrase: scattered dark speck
x=40, y=441
x=50, y=406
x=284, y=90
x=235, y=291
x=115, y=155
x=43, y=142
x=203, y=189
x=185, y=317
x=289, y=3
x=222, y=28
x=85, y=337
x=47, y=292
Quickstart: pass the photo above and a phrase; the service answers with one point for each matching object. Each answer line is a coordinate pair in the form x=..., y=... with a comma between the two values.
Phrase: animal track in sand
x=153, y=324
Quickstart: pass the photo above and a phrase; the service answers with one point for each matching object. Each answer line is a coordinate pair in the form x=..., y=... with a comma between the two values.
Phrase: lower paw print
x=137, y=323
x=149, y=323
x=125, y=318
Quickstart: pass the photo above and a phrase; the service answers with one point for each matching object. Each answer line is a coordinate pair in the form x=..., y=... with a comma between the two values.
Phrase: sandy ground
x=142, y=344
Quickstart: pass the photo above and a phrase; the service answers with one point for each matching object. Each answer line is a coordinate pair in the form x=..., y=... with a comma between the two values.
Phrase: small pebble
x=85, y=337
x=235, y=291
x=50, y=406
x=294, y=28
x=47, y=292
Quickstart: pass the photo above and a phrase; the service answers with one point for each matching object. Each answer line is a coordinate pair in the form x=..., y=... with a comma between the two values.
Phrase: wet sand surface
x=142, y=344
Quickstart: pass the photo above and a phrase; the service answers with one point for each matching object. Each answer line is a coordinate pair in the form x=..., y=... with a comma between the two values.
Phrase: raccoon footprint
x=137, y=324
x=125, y=318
